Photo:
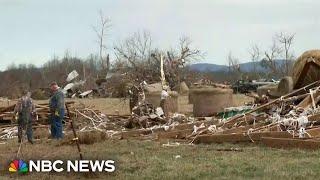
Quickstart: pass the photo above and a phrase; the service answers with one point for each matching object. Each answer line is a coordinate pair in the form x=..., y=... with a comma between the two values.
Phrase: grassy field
x=151, y=160
x=121, y=106
x=105, y=105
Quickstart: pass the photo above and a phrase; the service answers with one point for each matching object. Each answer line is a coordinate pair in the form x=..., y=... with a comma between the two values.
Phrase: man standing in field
x=26, y=111
x=57, y=111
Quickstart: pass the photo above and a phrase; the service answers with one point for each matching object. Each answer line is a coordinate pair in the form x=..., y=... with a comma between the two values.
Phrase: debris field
x=291, y=120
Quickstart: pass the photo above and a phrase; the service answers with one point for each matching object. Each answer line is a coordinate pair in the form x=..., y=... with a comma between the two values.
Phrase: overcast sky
x=32, y=31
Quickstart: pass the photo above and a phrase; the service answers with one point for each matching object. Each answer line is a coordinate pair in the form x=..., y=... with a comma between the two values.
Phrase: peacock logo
x=18, y=166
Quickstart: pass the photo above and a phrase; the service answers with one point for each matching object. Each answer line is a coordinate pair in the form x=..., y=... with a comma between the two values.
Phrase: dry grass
x=150, y=160
x=121, y=106
x=89, y=137
x=107, y=105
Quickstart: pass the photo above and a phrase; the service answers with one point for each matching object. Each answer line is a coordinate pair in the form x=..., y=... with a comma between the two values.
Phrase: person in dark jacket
x=57, y=111
x=25, y=110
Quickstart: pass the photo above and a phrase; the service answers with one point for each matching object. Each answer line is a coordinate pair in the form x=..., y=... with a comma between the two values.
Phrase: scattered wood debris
x=293, y=120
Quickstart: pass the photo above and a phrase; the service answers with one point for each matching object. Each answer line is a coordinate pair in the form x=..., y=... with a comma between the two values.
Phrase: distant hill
x=207, y=67
x=244, y=67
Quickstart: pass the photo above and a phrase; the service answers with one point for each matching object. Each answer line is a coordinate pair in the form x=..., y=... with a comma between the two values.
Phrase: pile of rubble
x=290, y=121
x=8, y=120
x=87, y=119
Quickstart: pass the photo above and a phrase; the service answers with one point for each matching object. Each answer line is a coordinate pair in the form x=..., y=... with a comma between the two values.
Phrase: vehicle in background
x=246, y=86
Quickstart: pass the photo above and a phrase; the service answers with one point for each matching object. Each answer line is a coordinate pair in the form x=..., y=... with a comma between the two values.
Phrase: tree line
x=137, y=59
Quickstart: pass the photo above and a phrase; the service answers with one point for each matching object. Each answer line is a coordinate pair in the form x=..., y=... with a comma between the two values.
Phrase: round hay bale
x=312, y=75
x=209, y=101
x=171, y=103
x=285, y=85
x=190, y=97
x=183, y=89
x=263, y=90
x=196, y=89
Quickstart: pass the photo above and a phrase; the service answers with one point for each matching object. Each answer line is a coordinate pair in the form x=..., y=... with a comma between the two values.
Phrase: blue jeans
x=56, y=125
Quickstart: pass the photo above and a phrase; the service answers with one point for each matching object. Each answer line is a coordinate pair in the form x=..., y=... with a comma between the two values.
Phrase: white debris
x=275, y=117
x=84, y=94
x=103, y=115
x=111, y=133
x=302, y=132
x=74, y=95
x=302, y=121
x=9, y=133
x=72, y=75
x=178, y=117
x=68, y=86
x=166, y=128
x=239, y=108
x=153, y=116
x=208, y=118
x=286, y=122
x=195, y=128
x=212, y=128
x=159, y=111
x=171, y=144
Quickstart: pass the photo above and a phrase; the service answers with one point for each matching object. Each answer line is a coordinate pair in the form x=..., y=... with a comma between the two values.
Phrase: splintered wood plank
x=240, y=129
x=239, y=137
x=208, y=139
x=179, y=134
x=314, y=132
x=291, y=143
x=315, y=117
x=307, y=102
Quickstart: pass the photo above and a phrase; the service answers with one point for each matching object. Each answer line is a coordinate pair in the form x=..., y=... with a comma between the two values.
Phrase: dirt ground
x=121, y=106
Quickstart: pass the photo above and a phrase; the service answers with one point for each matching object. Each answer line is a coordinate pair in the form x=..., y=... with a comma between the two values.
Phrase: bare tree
x=177, y=59
x=139, y=55
x=135, y=49
x=101, y=32
x=271, y=56
x=255, y=54
x=187, y=53
x=233, y=63
x=134, y=55
x=286, y=40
